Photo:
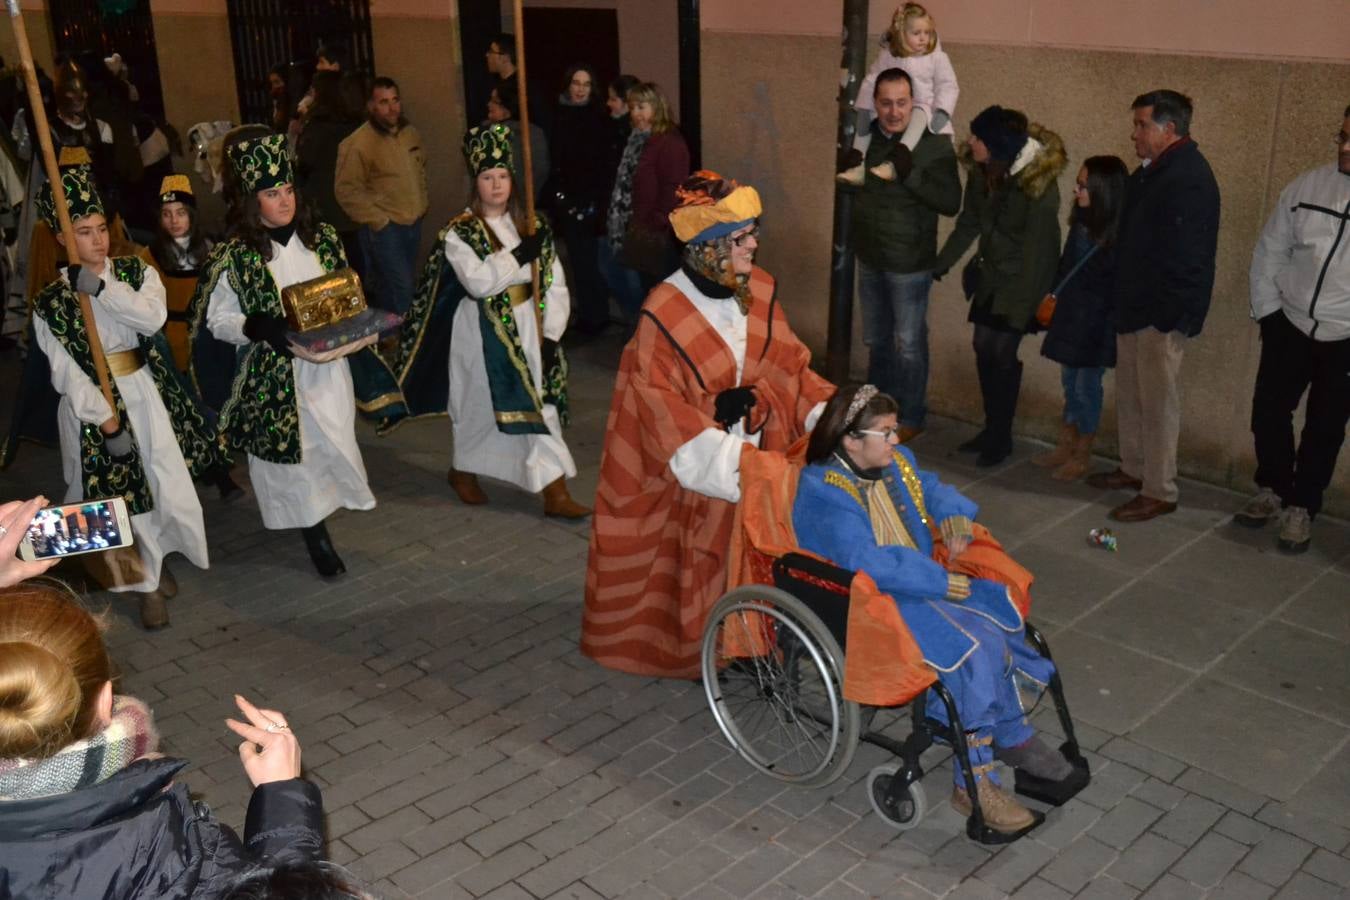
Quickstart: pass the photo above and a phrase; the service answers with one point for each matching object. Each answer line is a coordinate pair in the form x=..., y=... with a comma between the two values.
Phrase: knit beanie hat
x=1003, y=131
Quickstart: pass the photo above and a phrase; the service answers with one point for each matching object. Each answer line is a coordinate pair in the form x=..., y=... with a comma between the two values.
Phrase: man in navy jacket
x=1169, y=232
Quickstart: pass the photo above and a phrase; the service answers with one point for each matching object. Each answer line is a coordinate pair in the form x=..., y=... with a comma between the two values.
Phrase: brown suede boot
x=466, y=487
x=1062, y=450
x=154, y=611
x=1001, y=810
x=559, y=504
x=168, y=585
x=1079, y=461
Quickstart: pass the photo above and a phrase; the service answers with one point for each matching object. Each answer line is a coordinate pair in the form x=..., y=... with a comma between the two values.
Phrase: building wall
x=769, y=89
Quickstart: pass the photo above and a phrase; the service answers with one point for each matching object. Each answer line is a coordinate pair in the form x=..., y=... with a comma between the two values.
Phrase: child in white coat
x=911, y=44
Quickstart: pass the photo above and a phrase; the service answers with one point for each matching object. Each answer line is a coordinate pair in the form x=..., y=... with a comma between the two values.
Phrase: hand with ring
x=15, y=517
x=269, y=752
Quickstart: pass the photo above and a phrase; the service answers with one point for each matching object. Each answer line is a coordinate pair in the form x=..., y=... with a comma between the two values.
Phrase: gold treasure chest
x=326, y=300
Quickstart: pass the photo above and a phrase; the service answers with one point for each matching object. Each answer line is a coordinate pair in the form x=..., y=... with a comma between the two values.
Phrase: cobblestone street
x=467, y=749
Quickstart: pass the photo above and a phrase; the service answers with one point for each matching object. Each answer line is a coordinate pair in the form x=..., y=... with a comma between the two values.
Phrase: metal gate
x=267, y=33
x=90, y=26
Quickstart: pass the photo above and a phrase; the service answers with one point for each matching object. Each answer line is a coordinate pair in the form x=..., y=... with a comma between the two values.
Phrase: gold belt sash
x=125, y=362
x=519, y=293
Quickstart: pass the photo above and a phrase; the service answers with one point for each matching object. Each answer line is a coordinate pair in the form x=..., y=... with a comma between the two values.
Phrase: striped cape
x=658, y=553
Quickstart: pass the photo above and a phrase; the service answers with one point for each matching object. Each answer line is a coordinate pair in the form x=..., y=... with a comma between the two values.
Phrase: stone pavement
x=466, y=748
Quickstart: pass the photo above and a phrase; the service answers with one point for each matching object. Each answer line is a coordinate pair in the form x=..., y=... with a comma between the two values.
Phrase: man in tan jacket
x=381, y=182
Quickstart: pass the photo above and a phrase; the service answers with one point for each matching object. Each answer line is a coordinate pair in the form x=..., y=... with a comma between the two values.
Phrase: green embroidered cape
x=59, y=308
x=260, y=415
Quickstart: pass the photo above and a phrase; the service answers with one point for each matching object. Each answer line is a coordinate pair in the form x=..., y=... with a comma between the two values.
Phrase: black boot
x=976, y=444
x=220, y=477
x=321, y=551
x=1006, y=384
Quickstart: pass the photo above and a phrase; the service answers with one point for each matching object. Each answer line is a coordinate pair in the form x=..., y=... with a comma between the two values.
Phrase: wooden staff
x=44, y=137
x=528, y=162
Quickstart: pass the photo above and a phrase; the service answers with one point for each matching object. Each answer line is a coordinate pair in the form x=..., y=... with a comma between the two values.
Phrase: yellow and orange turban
x=710, y=206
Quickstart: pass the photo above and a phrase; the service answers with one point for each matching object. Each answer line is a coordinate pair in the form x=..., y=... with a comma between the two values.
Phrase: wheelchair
x=773, y=672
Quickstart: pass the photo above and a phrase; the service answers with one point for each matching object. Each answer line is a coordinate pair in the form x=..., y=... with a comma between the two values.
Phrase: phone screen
x=75, y=528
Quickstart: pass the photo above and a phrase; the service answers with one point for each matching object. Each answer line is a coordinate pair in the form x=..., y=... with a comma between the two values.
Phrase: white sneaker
x=1259, y=510
x=1295, y=530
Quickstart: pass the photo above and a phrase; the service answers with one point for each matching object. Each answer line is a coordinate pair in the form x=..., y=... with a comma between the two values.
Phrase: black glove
x=903, y=160
x=732, y=405
x=548, y=350
x=84, y=281
x=119, y=444
x=531, y=245
x=262, y=328
x=852, y=157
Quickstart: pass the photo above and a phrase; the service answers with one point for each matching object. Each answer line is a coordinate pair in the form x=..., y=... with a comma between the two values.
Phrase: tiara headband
x=860, y=400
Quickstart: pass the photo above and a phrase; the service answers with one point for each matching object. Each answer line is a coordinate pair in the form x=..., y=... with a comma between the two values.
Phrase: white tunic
x=530, y=461
x=330, y=475
x=121, y=316
x=709, y=463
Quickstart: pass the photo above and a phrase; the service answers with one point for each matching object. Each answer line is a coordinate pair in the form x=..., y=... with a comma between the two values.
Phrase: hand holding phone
x=87, y=526
x=15, y=517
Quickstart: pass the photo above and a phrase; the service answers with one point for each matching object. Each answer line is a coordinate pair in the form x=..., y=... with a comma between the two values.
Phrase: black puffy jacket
x=139, y=836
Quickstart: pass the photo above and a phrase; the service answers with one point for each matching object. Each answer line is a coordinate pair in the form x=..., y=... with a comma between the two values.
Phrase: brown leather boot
x=1001, y=810
x=154, y=610
x=559, y=504
x=466, y=487
x=168, y=585
x=1079, y=461
x=1062, y=451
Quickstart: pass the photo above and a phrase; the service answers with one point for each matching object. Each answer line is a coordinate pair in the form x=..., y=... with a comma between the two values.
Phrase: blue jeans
x=895, y=330
x=623, y=282
x=391, y=263
x=1082, y=397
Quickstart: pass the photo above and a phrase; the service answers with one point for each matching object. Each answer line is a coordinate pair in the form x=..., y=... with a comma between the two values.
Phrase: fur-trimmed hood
x=1048, y=159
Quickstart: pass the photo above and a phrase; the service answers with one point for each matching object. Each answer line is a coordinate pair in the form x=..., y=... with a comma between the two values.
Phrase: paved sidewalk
x=466, y=748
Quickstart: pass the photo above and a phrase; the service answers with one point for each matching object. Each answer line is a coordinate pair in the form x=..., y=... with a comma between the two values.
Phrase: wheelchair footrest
x=986, y=835
x=1055, y=793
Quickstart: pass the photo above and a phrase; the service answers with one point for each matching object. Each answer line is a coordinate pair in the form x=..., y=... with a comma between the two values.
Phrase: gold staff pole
x=527, y=164
x=44, y=137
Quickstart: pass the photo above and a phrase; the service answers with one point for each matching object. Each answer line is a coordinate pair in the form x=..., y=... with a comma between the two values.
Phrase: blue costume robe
x=977, y=644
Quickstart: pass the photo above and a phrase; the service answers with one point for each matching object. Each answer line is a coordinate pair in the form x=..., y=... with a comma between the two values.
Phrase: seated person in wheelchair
x=863, y=504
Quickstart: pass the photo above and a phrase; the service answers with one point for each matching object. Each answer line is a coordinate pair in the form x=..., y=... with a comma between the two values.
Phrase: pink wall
x=1296, y=29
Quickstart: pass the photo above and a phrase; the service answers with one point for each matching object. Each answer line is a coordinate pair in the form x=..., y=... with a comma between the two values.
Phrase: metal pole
x=528, y=162
x=44, y=137
x=839, y=340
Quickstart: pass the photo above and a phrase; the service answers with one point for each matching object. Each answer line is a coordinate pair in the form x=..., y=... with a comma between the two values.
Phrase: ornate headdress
x=261, y=163
x=82, y=197
x=177, y=189
x=710, y=206
x=859, y=403
x=488, y=147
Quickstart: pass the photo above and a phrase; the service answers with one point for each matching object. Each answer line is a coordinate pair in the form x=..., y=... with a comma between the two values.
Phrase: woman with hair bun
x=88, y=808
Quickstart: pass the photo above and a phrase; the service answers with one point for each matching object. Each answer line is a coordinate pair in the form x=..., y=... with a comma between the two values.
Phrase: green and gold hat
x=82, y=197
x=488, y=147
x=262, y=163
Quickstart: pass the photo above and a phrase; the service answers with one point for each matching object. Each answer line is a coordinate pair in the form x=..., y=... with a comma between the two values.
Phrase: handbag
x=1046, y=311
x=646, y=251
x=970, y=277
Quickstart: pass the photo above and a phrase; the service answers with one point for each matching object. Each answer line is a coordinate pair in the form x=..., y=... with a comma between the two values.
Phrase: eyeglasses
x=740, y=239
x=1080, y=188
x=1341, y=138
x=893, y=431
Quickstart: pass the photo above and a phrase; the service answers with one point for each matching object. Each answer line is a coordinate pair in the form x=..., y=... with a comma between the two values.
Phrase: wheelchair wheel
x=908, y=811
x=782, y=708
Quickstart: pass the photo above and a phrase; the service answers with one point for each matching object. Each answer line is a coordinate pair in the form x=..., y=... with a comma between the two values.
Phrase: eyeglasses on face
x=887, y=434
x=1341, y=138
x=740, y=239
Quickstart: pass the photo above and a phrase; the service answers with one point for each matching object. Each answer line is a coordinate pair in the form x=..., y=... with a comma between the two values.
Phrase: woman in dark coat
x=1011, y=206
x=89, y=809
x=1082, y=336
x=334, y=114
x=577, y=191
x=648, y=243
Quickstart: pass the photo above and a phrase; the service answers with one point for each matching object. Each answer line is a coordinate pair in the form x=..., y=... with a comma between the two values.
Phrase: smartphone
x=89, y=526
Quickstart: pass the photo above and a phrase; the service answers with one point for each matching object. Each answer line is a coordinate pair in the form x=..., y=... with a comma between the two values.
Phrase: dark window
x=268, y=33
x=90, y=28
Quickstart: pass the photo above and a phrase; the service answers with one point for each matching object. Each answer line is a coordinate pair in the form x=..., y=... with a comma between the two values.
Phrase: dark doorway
x=479, y=22
x=81, y=27
x=558, y=38
x=267, y=33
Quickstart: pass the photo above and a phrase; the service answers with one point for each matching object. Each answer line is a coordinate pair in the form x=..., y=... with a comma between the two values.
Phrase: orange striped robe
x=658, y=552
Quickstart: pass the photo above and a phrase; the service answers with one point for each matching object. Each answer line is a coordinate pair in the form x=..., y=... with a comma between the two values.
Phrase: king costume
x=712, y=372
x=294, y=418
x=171, y=437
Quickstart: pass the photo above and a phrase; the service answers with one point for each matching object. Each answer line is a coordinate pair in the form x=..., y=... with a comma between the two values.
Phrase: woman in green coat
x=1012, y=207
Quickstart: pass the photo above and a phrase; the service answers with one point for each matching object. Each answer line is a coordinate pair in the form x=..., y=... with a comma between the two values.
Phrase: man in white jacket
x=1300, y=294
